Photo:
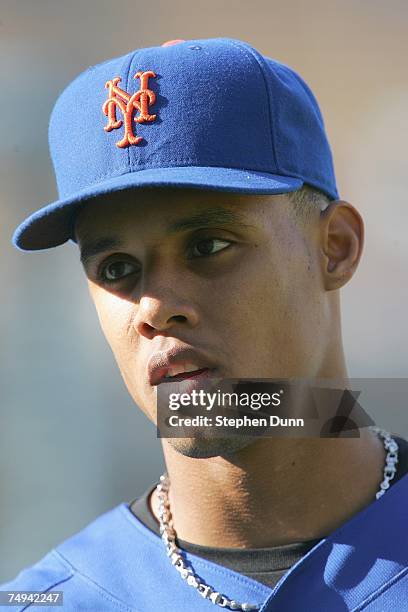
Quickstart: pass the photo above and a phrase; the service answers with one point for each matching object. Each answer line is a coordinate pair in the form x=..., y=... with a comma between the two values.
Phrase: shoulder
x=46, y=574
x=85, y=568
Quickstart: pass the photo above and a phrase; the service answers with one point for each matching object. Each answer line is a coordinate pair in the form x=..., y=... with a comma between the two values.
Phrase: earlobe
x=342, y=239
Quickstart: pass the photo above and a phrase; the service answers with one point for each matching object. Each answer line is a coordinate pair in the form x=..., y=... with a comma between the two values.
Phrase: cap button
x=169, y=43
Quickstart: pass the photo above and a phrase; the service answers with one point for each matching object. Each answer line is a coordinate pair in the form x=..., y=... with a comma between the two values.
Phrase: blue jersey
x=117, y=564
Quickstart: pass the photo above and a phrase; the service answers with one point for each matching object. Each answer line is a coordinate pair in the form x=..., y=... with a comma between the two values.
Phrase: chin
x=204, y=448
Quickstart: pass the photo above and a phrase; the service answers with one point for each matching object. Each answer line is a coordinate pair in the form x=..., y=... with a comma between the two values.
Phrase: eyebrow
x=94, y=247
x=207, y=218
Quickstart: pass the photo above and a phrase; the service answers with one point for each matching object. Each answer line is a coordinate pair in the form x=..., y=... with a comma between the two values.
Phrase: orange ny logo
x=141, y=100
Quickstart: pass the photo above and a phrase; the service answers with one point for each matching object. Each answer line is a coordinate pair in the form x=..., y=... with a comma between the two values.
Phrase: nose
x=161, y=314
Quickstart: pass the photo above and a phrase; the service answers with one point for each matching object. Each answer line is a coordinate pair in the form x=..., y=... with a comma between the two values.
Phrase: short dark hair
x=307, y=201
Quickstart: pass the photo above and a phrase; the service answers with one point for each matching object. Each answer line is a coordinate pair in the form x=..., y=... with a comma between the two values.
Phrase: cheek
x=114, y=317
x=291, y=307
x=268, y=284
x=267, y=310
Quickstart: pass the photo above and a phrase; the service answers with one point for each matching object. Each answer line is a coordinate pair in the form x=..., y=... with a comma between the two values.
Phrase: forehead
x=169, y=210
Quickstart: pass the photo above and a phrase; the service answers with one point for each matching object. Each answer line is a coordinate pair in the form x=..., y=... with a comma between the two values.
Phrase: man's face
x=232, y=281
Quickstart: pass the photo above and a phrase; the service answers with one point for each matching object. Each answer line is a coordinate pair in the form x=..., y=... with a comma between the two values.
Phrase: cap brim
x=53, y=224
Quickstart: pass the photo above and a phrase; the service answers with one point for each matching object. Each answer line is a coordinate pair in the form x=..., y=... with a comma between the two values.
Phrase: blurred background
x=72, y=443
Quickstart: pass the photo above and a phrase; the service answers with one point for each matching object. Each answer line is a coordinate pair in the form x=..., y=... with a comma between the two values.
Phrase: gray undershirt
x=266, y=565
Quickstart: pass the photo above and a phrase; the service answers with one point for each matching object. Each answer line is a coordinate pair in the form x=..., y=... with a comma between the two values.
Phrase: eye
x=209, y=246
x=116, y=270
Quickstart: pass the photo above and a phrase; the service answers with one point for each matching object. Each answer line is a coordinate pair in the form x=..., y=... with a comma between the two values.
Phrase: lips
x=178, y=363
x=190, y=372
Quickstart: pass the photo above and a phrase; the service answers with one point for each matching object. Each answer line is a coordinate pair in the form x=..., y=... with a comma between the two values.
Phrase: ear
x=341, y=239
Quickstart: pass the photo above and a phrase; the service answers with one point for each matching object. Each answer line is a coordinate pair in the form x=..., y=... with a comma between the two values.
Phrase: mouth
x=185, y=382
x=178, y=364
x=189, y=372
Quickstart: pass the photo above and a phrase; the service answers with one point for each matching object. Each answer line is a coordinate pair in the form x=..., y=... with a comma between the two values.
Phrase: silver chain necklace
x=185, y=569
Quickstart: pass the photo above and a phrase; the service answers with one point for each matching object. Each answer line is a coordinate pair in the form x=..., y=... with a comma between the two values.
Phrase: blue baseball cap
x=209, y=114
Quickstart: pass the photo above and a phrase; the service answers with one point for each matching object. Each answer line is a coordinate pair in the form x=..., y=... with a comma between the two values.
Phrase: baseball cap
x=209, y=113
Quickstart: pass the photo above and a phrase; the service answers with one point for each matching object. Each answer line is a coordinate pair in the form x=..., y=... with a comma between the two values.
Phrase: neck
x=274, y=491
